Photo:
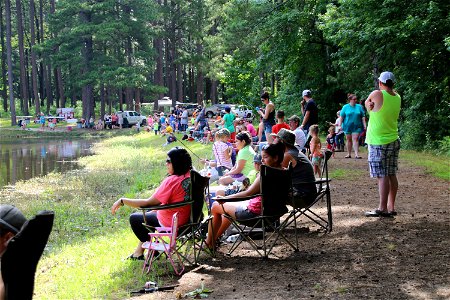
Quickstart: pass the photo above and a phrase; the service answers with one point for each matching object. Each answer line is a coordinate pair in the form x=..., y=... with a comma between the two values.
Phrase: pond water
x=28, y=158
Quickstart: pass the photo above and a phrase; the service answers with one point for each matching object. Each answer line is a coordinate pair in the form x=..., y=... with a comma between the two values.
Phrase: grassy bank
x=85, y=255
x=84, y=258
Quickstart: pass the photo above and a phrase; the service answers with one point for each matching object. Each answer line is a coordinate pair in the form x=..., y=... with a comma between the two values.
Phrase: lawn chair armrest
x=166, y=206
x=322, y=181
x=235, y=199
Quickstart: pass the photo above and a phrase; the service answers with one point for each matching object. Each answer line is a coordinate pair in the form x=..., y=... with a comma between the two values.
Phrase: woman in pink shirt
x=173, y=189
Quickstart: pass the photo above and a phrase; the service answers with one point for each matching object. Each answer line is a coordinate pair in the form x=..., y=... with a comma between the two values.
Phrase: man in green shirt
x=383, y=142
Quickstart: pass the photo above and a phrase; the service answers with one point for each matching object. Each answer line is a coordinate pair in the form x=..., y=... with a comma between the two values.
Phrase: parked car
x=214, y=110
x=190, y=107
x=131, y=117
x=241, y=111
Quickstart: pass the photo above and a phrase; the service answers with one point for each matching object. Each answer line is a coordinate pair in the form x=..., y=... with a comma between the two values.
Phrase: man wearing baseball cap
x=300, y=138
x=11, y=221
x=383, y=142
x=309, y=110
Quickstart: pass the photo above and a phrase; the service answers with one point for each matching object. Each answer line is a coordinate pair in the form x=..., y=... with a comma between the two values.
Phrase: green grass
x=346, y=173
x=435, y=165
x=85, y=255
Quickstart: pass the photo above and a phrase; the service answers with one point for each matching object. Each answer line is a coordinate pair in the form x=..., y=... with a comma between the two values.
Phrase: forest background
x=102, y=56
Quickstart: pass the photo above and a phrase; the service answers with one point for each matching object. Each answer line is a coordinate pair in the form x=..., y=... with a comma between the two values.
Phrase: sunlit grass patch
x=342, y=173
x=436, y=165
x=92, y=269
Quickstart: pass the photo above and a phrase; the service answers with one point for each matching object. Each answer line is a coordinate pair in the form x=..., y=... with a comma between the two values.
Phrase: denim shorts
x=383, y=159
x=243, y=213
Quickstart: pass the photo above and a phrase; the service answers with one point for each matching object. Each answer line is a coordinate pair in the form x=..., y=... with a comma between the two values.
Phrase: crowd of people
x=239, y=150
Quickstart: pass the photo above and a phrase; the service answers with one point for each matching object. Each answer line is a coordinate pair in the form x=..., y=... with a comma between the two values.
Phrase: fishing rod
x=179, y=140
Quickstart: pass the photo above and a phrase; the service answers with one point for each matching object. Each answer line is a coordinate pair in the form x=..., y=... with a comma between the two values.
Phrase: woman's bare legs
x=355, y=143
x=219, y=223
x=349, y=145
x=226, y=180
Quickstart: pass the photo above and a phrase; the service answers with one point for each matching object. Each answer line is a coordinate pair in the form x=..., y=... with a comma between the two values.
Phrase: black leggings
x=136, y=220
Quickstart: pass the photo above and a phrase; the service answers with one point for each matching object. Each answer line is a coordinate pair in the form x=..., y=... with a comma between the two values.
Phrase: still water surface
x=28, y=158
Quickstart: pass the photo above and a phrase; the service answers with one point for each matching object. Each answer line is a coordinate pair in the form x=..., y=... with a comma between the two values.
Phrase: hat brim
x=8, y=226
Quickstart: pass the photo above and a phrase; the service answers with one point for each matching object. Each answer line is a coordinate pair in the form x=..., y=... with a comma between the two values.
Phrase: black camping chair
x=191, y=235
x=275, y=193
x=22, y=255
x=309, y=209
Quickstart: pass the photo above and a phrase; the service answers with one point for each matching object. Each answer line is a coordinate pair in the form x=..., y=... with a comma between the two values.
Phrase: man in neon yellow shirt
x=382, y=138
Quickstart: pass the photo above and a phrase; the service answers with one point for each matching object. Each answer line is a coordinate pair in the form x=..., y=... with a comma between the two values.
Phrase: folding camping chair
x=157, y=245
x=190, y=235
x=19, y=262
x=310, y=210
x=275, y=193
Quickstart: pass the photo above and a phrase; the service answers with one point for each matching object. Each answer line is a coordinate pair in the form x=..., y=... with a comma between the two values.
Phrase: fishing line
x=179, y=140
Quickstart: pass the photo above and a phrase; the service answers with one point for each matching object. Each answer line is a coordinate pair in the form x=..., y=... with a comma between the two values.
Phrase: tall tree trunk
x=137, y=106
x=23, y=77
x=48, y=85
x=61, y=99
x=168, y=63
x=180, y=95
x=108, y=99
x=87, y=53
x=12, y=106
x=158, y=77
x=199, y=76
x=34, y=71
x=3, y=60
x=102, y=101
x=40, y=39
x=213, y=92
x=191, y=84
x=120, y=91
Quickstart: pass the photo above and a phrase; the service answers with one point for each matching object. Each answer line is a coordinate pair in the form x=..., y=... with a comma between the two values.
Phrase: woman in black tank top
x=268, y=115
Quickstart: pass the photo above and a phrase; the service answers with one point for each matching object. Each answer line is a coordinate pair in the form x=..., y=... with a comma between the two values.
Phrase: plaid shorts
x=383, y=159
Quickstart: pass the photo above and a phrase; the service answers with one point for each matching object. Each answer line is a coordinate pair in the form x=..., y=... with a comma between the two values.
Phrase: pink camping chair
x=157, y=245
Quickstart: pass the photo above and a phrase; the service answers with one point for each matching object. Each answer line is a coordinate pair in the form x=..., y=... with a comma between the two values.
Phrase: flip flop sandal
x=348, y=156
x=358, y=157
x=377, y=213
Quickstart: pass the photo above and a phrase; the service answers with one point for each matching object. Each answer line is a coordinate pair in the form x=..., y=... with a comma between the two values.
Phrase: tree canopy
x=122, y=53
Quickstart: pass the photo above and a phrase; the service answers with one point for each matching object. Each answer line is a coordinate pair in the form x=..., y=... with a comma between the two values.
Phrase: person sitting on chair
x=272, y=156
x=173, y=189
x=304, y=188
x=11, y=221
x=244, y=158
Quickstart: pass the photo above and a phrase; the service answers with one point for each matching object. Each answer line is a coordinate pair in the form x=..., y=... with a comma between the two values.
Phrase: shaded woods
x=118, y=54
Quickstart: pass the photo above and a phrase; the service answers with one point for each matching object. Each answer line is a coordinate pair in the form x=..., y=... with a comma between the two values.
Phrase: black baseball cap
x=11, y=218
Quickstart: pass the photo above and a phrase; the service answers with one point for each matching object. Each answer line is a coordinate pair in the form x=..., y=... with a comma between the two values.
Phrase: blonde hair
x=314, y=129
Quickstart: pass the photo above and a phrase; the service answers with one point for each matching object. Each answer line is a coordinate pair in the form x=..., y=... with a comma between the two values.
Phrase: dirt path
x=406, y=257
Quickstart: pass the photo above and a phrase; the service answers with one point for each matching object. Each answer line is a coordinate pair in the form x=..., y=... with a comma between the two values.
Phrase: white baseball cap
x=385, y=76
x=306, y=93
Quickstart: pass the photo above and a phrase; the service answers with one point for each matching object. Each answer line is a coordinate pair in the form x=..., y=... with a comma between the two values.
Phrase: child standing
x=315, y=148
x=156, y=127
x=331, y=142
